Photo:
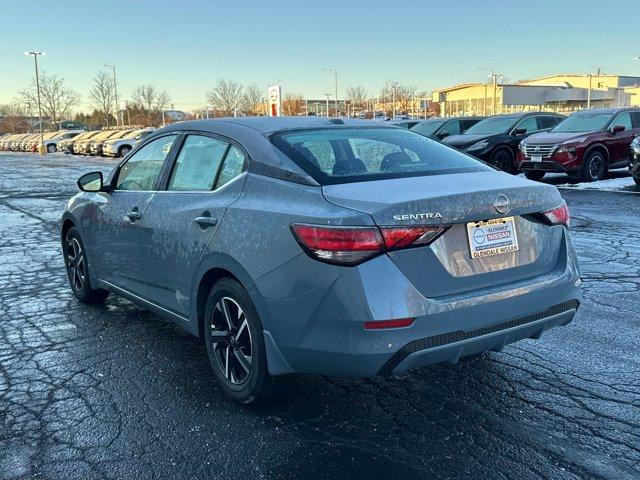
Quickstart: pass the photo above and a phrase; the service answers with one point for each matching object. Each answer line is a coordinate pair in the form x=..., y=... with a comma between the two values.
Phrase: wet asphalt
x=114, y=392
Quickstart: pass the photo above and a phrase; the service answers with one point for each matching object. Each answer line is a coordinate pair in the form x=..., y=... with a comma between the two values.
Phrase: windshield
x=492, y=126
x=348, y=154
x=583, y=122
x=428, y=127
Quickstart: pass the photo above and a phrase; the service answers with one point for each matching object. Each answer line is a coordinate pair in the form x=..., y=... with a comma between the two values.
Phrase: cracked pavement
x=114, y=392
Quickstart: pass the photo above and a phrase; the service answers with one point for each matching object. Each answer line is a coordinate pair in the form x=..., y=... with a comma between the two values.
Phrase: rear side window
x=232, y=167
x=548, y=122
x=197, y=164
x=356, y=154
x=635, y=119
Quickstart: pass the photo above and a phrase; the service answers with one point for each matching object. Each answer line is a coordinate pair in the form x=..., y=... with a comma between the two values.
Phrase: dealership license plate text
x=493, y=237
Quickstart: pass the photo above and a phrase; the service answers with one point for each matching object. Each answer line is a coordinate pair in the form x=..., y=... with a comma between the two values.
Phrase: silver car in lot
x=326, y=246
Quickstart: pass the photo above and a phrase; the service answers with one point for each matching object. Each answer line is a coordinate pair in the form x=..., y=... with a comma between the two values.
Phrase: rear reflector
x=353, y=245
x=558, y=215
x=382, y=324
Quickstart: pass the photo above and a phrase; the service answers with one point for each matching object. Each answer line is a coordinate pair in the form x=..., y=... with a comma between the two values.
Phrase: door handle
x=134, y=215
x=205, y=220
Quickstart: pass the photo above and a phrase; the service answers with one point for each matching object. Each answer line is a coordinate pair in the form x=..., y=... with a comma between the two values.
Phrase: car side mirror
x=520, y=131
x=618, y=128
x=91, y=182
x=443, y=134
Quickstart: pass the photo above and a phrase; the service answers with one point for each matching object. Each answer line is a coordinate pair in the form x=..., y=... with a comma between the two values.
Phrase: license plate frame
x=488, y=238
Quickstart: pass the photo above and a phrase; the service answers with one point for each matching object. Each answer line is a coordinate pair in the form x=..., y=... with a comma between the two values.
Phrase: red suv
x=586, y=144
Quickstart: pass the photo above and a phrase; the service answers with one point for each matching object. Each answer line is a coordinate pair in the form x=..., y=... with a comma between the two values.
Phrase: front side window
x=427, y=128
x=529, y=124
x=623, y=119
x=452, y=128
x=351, y=154
x=197, y=164
x=141, y=171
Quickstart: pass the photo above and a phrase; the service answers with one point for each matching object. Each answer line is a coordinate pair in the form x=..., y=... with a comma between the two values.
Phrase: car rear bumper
x=326, y=334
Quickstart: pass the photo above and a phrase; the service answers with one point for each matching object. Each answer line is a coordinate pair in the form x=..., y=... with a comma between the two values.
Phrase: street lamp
x=335, y=78
x=328, y=95
x=35, y=61
x=115, y=92
x=494, y=81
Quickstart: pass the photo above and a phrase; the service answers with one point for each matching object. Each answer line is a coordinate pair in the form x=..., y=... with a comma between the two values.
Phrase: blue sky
x=184, y=46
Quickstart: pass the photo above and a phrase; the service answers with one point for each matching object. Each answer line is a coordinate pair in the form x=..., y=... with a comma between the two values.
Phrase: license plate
x=493, y=237
x=536, y=158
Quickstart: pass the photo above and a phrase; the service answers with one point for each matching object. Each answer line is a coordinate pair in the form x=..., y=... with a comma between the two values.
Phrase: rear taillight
x=558, y=215
x=353, y=245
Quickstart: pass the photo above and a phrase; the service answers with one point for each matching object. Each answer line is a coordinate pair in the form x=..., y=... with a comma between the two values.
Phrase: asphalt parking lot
x=114, y=392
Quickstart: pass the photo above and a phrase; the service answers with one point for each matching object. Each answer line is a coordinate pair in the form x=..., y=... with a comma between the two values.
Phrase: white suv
x=121, y=146
x=51, y=143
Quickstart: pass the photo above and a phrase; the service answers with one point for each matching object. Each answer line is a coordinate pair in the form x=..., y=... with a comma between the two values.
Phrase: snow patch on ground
x=618, y=181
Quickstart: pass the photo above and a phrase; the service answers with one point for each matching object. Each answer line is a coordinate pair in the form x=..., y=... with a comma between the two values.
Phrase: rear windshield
x=352, y=154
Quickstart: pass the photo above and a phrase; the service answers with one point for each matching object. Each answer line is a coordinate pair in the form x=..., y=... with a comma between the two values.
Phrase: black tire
x=77, y=266
x=51, y=148
x=637, y=180
x=594, y=166
x=534, y=175
x=502, y=158
x=236, y=349
x=123, y=151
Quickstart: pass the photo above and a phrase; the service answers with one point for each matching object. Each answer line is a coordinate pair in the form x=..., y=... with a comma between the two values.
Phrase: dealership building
x=556, y=93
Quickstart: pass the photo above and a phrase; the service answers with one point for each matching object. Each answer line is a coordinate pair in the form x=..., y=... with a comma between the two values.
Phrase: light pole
x=35, y=61
x=115, y=92
x=494, y=81
x=335, y=79
x=328, y=95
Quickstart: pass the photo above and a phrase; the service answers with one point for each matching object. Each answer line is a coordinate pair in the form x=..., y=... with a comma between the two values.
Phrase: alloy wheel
x=596, y=167
x=231, y=340
x=76, y=265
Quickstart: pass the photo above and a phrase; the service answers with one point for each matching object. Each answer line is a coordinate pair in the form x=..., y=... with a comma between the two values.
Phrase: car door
x=116, y=228
x=182, y=218
x=619, y=142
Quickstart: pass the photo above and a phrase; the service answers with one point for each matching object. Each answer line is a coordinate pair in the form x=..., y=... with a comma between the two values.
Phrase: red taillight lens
x=558, y=215
x=400, y=237
x=382, y=324
x=352, y=245
x=340, y=245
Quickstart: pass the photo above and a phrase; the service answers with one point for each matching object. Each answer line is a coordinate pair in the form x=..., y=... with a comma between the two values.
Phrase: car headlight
x=522, y=147
x=566, y=149
x=478, y=146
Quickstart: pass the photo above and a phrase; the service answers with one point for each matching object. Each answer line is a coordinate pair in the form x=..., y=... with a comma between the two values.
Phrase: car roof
x=268, y=125
x=610, y=110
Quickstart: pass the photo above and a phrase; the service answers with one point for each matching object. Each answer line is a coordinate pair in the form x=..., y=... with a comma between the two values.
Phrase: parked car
x=121, y=146
x=587, y=144
x=319, y=245
x=634, y=163
x=496, y=139
x=97, y=144
x=8, y=140
x=437, y=128
x=83, y=147
x=404, y=122
x=68, y=145
x=51, y=143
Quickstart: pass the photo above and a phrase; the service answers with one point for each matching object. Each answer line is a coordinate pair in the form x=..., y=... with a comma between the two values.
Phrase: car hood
x=456, y=197
x=555, y=138
x=464, y=141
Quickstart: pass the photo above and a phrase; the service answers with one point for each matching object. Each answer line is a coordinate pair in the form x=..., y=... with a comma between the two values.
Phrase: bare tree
x=226, y=96
x=14, y=118
x=357, y=95
x=57, y=100
x=404, y=96
x=102, y=94
x=150, y=102
x=292, y=104
x=252, y=100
